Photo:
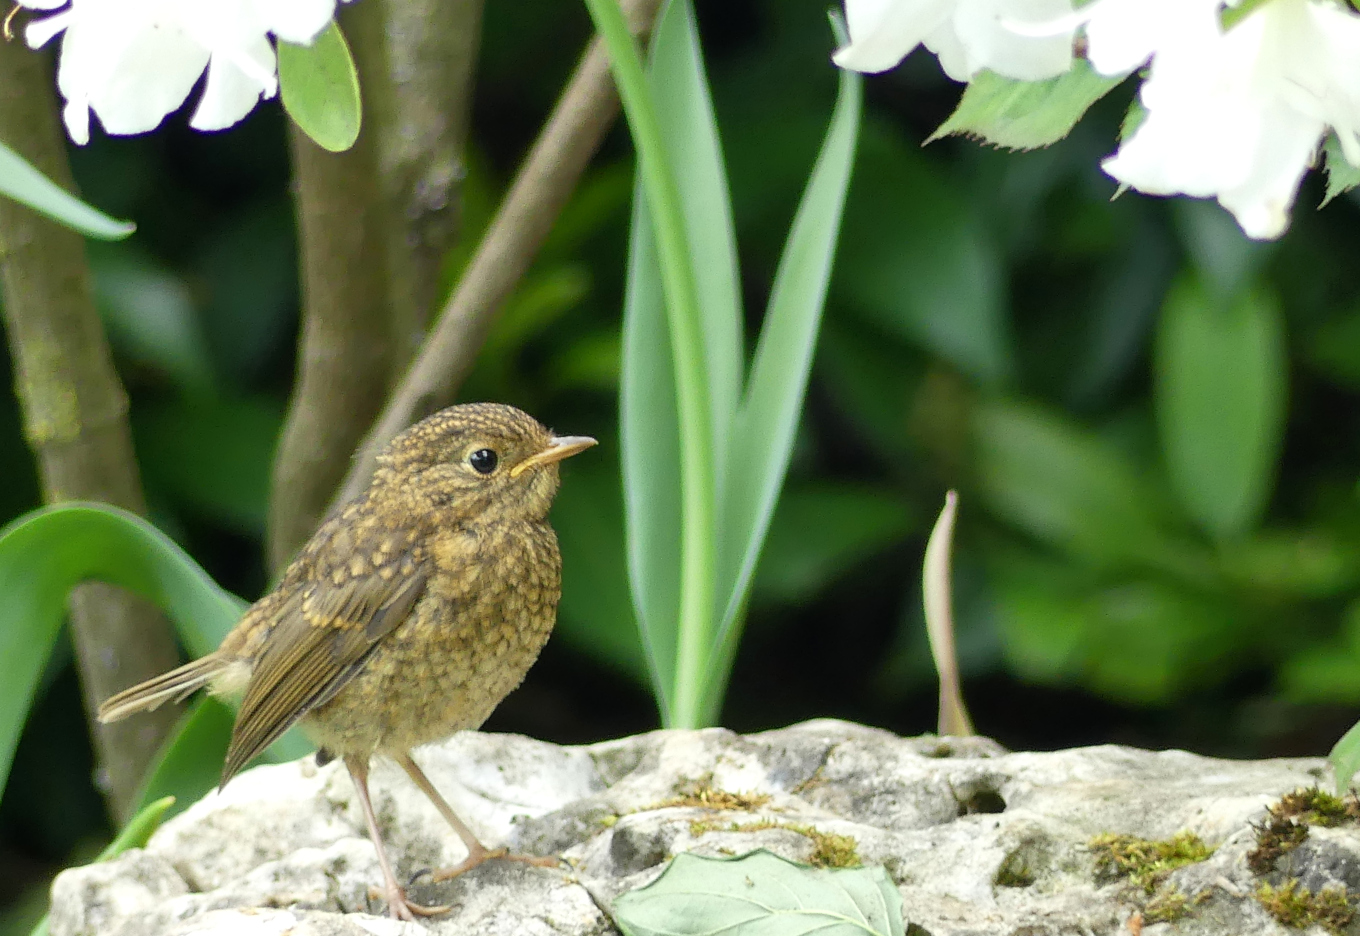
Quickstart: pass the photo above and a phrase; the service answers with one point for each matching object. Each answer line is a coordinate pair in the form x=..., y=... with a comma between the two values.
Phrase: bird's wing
x=315, y=650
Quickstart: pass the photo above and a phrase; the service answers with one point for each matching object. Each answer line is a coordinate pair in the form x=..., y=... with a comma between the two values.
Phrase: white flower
x=134, y=61
x=1238, y=115
x=967, y=35
x=1123, y=34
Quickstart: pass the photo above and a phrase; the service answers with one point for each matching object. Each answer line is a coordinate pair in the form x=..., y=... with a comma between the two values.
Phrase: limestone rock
x=979, y=840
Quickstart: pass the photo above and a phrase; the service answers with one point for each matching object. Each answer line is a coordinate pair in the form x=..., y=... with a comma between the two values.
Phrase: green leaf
x=1291, y=563
x=21, y=181
x=138, y=831
x=681, y=358
x=150, y=314
x=684, y=109
x=1066, y=486
x=919, y=262
x=1345, y=758
x=851, y=524
x=190, y=763
x=1220, y=399
x=767, y=421
x=1226, y=259
x=761, y=894
x=1133, y=119
x=1325, y=672
x=1025, y=115
x=1341, y=175
x=320, y=89
x=1139, y=641
x=45, y=554
x=649, y=425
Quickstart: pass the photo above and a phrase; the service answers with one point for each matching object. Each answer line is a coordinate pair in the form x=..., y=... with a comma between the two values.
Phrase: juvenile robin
x=410, y=615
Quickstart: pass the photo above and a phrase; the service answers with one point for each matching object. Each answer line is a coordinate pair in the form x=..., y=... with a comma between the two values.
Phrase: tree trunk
x=75, y=420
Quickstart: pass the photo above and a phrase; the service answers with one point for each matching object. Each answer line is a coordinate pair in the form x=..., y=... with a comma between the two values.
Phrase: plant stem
x=546, y=180
x=75, y=421
x=697, y=469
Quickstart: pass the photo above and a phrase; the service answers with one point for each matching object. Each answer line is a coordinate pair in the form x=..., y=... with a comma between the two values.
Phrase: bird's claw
x=401, y=908
x=484, y=855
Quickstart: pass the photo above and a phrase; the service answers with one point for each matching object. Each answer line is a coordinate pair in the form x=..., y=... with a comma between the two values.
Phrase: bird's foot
x=480, y=855
x=401, y=908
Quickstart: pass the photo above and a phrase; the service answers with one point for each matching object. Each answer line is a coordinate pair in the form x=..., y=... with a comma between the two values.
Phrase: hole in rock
x=981, y=801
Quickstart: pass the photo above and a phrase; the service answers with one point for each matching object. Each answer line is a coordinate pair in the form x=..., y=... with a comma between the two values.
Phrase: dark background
x=967, y=277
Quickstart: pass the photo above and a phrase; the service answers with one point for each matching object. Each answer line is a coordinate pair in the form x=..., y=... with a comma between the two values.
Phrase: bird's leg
x=477, y=852
x=398, y=907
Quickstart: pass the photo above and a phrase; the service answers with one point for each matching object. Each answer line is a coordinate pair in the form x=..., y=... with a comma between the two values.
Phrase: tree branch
x=432, y=48
x=374, y=223
x=545, y=182
x=75, y=421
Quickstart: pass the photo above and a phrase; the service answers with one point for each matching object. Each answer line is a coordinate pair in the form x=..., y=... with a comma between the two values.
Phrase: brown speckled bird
x=410, y=615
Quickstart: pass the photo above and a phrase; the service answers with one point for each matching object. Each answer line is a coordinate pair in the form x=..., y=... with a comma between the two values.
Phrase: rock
x=979, y=840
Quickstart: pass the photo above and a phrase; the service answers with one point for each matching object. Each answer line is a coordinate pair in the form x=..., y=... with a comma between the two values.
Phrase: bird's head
x=490, y=460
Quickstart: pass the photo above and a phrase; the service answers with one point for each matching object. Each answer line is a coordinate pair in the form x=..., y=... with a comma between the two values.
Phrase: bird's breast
x=489, y=605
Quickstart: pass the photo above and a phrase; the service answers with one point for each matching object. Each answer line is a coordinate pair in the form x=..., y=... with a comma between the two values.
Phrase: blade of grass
x=21, y=181
x=684, y=110
x=767, y=421
x=687, y=345
x=936, y=578
x=649, y=424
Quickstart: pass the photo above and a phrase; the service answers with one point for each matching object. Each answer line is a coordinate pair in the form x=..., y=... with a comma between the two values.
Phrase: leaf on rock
x=1345, y=758
x=761, y=894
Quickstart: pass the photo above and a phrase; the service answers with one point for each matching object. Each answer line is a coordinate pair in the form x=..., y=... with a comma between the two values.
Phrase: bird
x=411, y=613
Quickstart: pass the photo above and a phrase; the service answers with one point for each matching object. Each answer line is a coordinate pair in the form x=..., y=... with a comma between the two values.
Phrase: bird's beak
x=559, y=448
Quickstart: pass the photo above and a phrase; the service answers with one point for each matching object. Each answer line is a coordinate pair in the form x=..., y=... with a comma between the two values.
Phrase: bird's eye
x=483, y=460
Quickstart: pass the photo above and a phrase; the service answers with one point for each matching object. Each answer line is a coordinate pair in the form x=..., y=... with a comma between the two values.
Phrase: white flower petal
x=887, y=32
x=988, y=43
x=944, y=41
x=42, y=4
x=1286, y=149
x=133, y=61
x=40, y=32
x=298, y=21
x=155, y=74
x=231, y=91
x=1123, y=34
x=966, y=35
x=76, y=116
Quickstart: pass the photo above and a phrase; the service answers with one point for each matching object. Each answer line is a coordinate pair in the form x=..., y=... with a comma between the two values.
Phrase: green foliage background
x=1152, y=421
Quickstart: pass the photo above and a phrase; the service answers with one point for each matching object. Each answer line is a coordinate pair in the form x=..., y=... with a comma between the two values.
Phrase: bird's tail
x=177, y=684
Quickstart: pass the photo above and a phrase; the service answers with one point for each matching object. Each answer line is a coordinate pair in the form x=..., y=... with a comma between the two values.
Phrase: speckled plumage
x=410, y=614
